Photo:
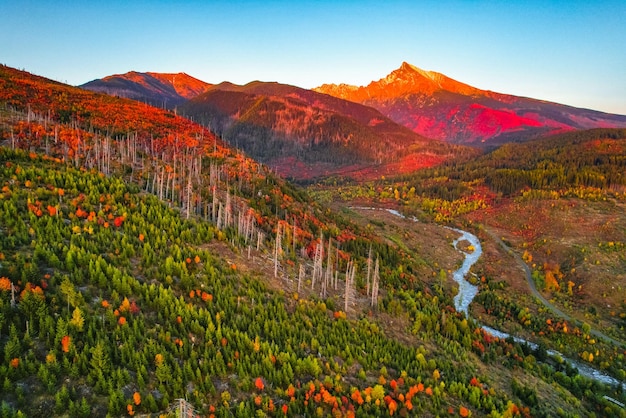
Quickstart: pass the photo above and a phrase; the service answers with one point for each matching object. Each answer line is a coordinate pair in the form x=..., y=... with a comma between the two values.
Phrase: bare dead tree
x=259, y=240
x=301, y=276
x=329, y=270
x=369, y=272
x=277, y=248
x=375, y=283
x=188, y=197
x=349, y=285
x=294, y=235
x=214, y=207
x=317, y=261
x=229, y=210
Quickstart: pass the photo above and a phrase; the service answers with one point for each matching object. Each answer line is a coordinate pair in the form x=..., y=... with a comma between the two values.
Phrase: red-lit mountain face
x=439, y=107
x=304, y=134
x=300, y=133
x=158, y=89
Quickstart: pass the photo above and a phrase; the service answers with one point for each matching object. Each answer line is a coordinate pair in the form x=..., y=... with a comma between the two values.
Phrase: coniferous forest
x=145, y=265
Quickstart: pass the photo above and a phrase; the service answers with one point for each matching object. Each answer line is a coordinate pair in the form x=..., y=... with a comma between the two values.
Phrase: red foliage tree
x=258, y=384
x=66, y=342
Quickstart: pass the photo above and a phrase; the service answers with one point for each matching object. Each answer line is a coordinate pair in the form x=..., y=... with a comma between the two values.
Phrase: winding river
x=468, y=291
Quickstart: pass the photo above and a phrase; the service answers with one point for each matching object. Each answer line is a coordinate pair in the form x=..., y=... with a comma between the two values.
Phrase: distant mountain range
x=157, y=89
x=439, y=107
x=301, y=133
x=305, y=134
x=410, y=119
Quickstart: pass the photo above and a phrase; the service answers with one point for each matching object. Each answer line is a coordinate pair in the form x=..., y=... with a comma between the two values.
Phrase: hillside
x=304, y=134
x=119, y=292
x=157, y=89
x=124, y=311
x=436, y=106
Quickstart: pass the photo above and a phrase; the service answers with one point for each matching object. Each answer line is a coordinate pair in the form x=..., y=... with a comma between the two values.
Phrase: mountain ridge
x=306, y=134
x=159, y=89
x=439, y=107
x=408, y=78
x=430, y=104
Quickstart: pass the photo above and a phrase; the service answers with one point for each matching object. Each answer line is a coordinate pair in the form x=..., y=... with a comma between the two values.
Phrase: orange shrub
x=66, y=341
x=393, y=407
x=5, y=284
x=80, y=213
x=158, y=359
x=356, y=397
x=258, y=383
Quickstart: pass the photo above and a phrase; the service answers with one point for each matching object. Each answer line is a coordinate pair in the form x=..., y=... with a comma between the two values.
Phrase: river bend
x=467, y=292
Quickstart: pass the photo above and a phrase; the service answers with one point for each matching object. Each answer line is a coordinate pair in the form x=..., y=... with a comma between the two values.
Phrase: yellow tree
x=77, y=319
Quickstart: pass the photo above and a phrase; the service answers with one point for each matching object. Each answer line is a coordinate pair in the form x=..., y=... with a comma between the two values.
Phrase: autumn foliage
x=5, y=284
x=464, y=412
x=258, y=384
x=203, y=324
x=66, y=343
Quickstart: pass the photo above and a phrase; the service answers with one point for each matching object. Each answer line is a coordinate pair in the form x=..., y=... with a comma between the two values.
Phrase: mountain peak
x=436, y=106
x=159, y=89
x=406, y=67
x=406, y=80
x=412, y=69
x=414, y=77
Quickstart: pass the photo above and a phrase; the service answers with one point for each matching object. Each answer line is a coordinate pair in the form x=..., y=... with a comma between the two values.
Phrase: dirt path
x=540, y=297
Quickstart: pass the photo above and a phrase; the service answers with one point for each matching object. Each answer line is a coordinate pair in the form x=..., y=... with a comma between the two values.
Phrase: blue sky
x=571, y=52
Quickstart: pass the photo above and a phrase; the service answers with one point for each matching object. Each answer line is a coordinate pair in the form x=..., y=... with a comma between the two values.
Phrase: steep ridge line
x=436, y=106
